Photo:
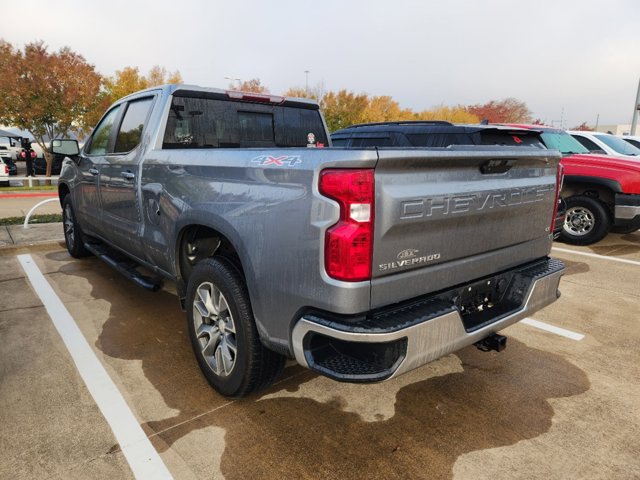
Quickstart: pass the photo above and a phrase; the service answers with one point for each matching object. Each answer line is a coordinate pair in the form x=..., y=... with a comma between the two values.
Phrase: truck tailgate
x=446, y=216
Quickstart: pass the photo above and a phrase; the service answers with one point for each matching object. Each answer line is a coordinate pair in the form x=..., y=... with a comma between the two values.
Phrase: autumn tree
x=254, y=85
x=125, y=82
x=160, y=76
x=455, y=114
x=45, y=93
x=344, y=108
x=583, y=127
x=316, y=93
x=386, y=109
x=508, y=110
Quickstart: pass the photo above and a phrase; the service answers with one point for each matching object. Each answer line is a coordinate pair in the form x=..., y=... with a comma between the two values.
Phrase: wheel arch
x=603, y=189
x=210, y=238
x=63, y=191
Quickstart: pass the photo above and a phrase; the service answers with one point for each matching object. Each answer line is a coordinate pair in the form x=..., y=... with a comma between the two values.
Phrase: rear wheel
x=223, y=332
x=73, y=236
x=587, y=221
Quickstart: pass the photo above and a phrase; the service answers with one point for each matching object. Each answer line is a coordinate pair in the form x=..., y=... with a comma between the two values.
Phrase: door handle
x=93, y=171
x=128, y=175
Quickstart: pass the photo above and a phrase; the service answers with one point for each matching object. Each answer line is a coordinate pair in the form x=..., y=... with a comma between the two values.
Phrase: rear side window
x=132, y=124
x=213, y=123
x=102, y=133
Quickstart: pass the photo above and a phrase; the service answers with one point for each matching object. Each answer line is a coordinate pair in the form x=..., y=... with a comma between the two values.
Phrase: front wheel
x=587, y=221
x=223, y=332
x=73, y=236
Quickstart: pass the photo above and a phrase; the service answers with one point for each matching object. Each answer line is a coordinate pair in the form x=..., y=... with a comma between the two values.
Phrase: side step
x=124, y=265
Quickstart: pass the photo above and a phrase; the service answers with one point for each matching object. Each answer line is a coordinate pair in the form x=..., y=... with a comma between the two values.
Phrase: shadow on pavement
x=497, y=400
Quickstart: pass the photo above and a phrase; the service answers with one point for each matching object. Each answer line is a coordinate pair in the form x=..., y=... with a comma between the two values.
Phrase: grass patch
x=44, y=218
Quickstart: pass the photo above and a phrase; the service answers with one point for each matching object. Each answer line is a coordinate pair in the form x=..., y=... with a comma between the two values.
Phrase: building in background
x=621, y=129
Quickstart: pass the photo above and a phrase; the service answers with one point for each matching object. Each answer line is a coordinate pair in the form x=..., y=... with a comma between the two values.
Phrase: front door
x=119, y=179
x=87, y=200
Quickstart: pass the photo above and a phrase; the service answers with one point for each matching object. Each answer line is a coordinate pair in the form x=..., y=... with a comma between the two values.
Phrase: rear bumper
x=387, y=343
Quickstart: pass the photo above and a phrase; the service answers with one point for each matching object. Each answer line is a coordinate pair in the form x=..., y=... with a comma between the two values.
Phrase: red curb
x=23, y=195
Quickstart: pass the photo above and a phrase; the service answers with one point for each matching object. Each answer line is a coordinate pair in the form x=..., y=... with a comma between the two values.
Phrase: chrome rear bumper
x=442, y=332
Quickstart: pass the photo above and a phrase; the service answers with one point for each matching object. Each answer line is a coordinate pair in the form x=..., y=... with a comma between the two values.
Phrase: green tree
x=47, y=94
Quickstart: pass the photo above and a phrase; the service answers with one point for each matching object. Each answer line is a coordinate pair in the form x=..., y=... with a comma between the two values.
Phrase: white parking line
x=553, y=329
x=595, y=255
x=144, y=460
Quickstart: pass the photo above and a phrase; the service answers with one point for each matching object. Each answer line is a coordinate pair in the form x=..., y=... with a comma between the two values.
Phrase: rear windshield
x=195, y=122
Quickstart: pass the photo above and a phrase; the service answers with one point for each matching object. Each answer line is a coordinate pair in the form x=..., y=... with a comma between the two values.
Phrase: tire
x=223, y=333
x=587, y=221
x=73, y=236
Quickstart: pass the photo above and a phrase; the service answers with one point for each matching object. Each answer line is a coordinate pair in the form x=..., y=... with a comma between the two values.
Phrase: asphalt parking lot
x=556, y=404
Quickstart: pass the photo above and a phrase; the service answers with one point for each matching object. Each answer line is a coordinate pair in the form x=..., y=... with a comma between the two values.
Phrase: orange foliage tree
x=125, y=82
x=508, y=110
x=47, y=94
x=455, y=114
x=583, y=127
x=254, y=86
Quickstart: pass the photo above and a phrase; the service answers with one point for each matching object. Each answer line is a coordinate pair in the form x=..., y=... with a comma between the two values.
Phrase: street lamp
x=306, y=83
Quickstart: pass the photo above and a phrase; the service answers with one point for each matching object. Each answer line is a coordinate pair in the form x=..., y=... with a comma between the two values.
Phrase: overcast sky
x=569, y=60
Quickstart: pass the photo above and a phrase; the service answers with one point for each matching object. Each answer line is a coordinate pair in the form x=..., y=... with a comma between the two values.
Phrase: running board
x=124, y=266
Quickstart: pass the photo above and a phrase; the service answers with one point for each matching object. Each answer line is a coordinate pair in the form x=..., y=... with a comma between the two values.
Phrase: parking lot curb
x=15, y=237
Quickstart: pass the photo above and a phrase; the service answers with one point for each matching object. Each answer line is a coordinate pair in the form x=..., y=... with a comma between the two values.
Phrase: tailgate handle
x=496, y=166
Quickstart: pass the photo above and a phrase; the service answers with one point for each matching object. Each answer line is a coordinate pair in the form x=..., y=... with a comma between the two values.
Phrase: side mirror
x=65, y=147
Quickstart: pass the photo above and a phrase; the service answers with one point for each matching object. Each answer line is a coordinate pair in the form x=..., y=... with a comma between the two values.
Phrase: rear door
x=447, y=216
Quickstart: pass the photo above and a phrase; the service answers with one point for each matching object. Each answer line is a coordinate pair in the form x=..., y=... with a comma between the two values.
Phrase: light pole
x=636, y=108
x=233, y=79
x=306, y=83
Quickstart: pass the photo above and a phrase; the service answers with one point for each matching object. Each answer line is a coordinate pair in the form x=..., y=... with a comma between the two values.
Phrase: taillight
x=349, y=243
x=559, y=182
x=6, y=169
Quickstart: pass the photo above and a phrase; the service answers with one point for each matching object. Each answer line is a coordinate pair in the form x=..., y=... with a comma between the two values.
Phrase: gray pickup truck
x=361, y=264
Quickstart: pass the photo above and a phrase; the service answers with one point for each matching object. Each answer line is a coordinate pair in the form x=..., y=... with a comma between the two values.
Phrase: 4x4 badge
x=266, y=160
